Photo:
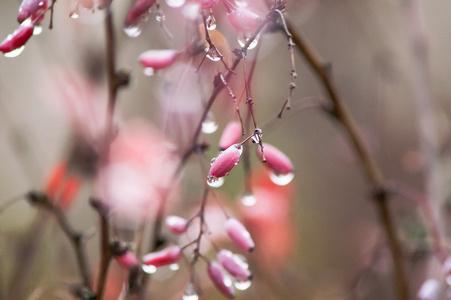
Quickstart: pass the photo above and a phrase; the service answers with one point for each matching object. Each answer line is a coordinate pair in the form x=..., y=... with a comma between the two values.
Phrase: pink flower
x=32, y=8
x=233, y=264
x=220, y=279
x=226, y=160
x=176, y=225
x=164, y=257
x=244, y=19
x=138, y=11
x=17, y=39
x=238, y=233
x=158, y=59
x=207, y=4
x=276, y=161
x=231, y=135
x=126, y=260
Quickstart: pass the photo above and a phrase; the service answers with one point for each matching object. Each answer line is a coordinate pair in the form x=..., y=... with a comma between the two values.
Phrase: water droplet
x=133, y=31
x=149, y=269
x=228, y=280
x=241, y=3
x=242, y=285
x=211, y=22
x=160, y=17
x=174, y=267
x=248, y=200
x=15, y=53
x=191, y=10
x=239, y=147
x=209, y=125
x=281, y=179
x=190, y=293
x=213, y=54
x=175, y=3
x=74, y=15
x=191, y=297
x=215, y=182
x=242, y=39
x=212, y=160
x=148, y=71
x=37, y=30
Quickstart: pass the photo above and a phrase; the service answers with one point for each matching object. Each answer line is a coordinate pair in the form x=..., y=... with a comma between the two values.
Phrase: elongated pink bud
x=239, y=234
x=158, y=59
x=244, y=20
x=233, y=264
x=276, y=161
x=31, y=8
x=164, y=257
x=17, y=39
x=231, y=135
x=226, y=160
x=176, y=225
x=138, y=11
x=207, y=4
x=221, y=280
x=126, y=260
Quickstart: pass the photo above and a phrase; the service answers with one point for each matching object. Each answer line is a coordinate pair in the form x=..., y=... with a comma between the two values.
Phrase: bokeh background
x=337, y=249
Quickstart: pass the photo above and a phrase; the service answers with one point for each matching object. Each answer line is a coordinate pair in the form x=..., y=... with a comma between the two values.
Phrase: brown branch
x=372, y=171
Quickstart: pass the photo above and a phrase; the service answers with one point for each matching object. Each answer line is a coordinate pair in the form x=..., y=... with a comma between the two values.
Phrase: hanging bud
x=176, y=225
x=276, y=161
x=226, y=160
x=244, y=20
x=164, y=257
x=126, y=260
x=221, y=280
x=138, y=11
x=32, y=8
x=158, y=59
x=17, y=39
x=231, y=135
x=239, y=234
x=233, y=264
x=207, y=4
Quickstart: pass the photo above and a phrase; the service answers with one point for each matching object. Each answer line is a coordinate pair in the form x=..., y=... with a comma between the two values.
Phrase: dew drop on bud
x=248, y=200
x=242, y=39
x=211, y=22
x=15, y=53
x=190, y=293
x=175, y=3
x=160, y=17
x=281, y=179
x=133, y=31
x=215, y=182
x=37, y=30
x=148, y=71
x=209, y=125
x=174, y=267
x=242, y=284
x=212, y=54
x=241, y=3
x=149, y=269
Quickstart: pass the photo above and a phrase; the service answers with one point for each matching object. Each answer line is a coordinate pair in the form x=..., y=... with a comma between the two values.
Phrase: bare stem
x=372, y=171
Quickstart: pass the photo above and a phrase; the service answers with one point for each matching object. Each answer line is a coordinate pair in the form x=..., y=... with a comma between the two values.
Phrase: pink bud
x=17, y=39
x=207, y=4
x=163, y=257
x=138, y=11
x=126, y=260
x=231, y=135
x=222, y=282
x=176, y=225
x=31, y=8
x=244, y=20
x=278, y=162
x=158, y=59
x=234, y=265
x=239, y=234
x=226, y=160
x=101, y=4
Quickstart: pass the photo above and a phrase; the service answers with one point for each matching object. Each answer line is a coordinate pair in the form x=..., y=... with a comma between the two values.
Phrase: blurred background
x=390, y=61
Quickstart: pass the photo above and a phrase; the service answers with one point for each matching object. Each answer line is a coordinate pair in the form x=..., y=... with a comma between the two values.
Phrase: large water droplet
x=239, y=147
x=174, y=267
x=248, y=200
x=133, y=31
x=15, y=53
x=74, y=15
x=215, y=182
x=281, y=179
x=209, y=125
x=212, y=54
x=148, y=71
x=211, y=22
x=149, y=269
x=175, y=3
x=190, y=297
x=190, y=293
x=242, y=285
x=242, y=39
x=37, y=30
